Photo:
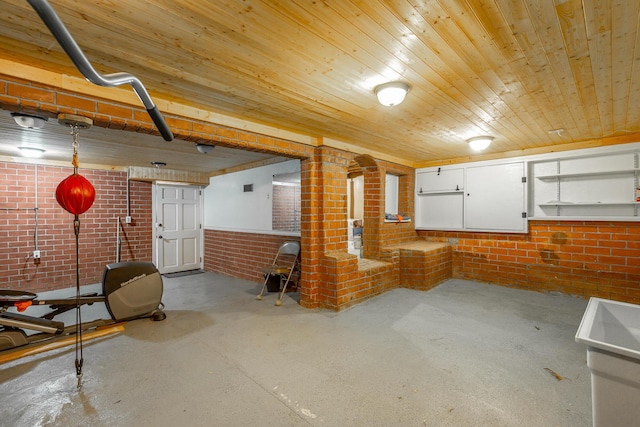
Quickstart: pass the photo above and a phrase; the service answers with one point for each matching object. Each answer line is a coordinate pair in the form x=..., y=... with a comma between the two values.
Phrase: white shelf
x=426, y=193
x=561, y=203
x=585, y=174
x=585, y=218
x=596, y=187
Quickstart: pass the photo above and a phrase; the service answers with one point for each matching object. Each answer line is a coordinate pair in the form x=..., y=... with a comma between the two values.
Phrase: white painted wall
x=392, y=183
x=227, y=206
x=355, y=185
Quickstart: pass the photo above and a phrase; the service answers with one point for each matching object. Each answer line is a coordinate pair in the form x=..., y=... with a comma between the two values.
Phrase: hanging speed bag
x=75, y=194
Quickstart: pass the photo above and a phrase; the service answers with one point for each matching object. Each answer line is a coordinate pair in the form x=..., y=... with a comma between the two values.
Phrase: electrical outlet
x=127, y=219
x=36, y=254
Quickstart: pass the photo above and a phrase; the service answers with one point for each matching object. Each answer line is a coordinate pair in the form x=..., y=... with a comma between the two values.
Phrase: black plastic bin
x=273, y=283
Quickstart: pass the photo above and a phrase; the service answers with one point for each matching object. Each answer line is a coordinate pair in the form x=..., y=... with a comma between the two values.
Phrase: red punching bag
x=75, y=194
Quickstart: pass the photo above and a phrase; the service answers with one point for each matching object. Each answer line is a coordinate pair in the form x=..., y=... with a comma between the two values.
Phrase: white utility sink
x=611, y=331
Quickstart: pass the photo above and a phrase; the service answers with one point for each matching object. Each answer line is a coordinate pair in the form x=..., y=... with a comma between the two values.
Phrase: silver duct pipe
x=64, y=38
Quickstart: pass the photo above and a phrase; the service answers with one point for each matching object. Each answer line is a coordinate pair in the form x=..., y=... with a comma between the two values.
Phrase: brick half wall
x=240, y=254
x=581, y=258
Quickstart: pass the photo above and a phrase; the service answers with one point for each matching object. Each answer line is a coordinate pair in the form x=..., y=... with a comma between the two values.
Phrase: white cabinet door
x=495, y=198
x=440, y=180
x=439, y=211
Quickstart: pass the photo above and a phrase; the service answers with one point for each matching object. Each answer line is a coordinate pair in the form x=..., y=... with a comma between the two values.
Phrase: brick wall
x=378, y=233
x=240, y=254
x=17, y=94
x=324, y=226
x=323, y=201
x=392, y=233
x=286, y=208
x=56, y=239
x=422, y=270
x=311, y=246
x=582, y=258
x=334, y=278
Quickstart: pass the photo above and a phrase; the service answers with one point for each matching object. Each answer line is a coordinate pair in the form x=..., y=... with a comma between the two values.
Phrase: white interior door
x=178, y=228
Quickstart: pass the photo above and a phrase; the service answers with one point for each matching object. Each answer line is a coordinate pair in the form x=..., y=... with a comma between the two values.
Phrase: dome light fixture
x=480, y=143
x=31, y=152
x=158, y=165
x=392, y=93
x=29, y=121
x=205, y=148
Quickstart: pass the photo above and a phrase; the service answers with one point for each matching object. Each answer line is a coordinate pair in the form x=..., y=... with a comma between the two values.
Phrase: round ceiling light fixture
x=480, y=143
x=392, y=93
x=205, y=148
x=31, y=152
x=29, y=121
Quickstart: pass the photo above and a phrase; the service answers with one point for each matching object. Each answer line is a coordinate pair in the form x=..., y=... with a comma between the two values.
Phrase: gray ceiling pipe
x=64, y=38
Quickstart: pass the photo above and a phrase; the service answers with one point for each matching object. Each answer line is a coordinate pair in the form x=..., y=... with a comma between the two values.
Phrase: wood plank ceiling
x=537, y=75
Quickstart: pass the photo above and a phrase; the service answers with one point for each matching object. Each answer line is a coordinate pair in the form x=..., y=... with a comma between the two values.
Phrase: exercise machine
x=130, y=290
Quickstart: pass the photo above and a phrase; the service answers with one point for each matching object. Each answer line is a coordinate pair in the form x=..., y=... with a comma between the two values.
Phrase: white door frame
x=157, y=229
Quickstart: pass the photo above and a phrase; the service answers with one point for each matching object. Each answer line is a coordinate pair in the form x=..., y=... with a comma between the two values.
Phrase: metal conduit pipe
x=64, y=38
x=35, y=232
x=118, y=241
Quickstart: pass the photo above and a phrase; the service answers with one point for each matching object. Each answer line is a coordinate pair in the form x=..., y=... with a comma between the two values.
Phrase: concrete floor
x=462, y=354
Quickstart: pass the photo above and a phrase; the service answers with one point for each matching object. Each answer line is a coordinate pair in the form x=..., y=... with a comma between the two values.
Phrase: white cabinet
x=597, y=187
x=487, y=197
x=593, y=184
x=495, y=198
x=439, y=211
x=439, y=199
x=440, y=180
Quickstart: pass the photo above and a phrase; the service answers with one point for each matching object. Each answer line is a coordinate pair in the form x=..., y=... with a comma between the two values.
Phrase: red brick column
x=324, y=228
